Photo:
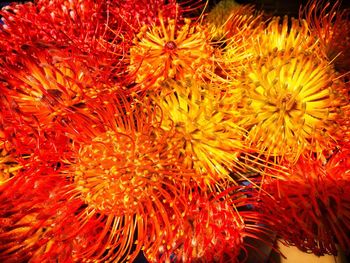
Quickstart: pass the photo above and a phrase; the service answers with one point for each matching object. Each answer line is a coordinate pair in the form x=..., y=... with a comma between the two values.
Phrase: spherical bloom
x=331, y=26
x=311, y=205
x=212, y=230
x=51, y=89
x=292, y=105
x=84, y=30
x=171, y=48
x=36, y=219
x=126, y=169
x=207, y=135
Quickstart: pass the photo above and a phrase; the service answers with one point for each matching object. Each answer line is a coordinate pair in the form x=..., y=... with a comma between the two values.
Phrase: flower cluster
x=170, y=130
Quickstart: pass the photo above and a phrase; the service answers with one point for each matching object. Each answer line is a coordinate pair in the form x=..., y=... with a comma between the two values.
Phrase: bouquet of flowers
x=172, y=129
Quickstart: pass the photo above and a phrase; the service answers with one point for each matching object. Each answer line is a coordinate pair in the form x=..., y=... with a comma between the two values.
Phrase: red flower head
x=331, y=25
x=312, y=205
x=213, y=229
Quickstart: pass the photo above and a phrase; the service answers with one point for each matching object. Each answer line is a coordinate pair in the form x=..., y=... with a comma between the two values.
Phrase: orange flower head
x=311, y=205
x=120, y=167
x=127, y=171
x=292, y=105
x=170, y=49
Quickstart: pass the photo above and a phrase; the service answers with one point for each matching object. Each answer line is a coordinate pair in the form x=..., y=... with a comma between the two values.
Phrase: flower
x=292, y=105
x=171, y=48
x=50, y=89
x=311, y=205
x=331, y=27
x=37, y=224
x=126, y=170
x=212, y=230
x=207, y=135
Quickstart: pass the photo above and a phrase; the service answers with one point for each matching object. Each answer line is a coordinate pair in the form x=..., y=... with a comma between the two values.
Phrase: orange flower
x=170, y=49
x=126, y=170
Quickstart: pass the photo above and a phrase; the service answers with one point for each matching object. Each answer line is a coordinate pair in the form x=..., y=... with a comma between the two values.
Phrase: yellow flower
x=170, y=49
x=205, y=123
x=291, y=105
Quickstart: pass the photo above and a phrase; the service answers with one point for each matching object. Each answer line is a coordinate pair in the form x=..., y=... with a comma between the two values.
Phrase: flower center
x=170, y=45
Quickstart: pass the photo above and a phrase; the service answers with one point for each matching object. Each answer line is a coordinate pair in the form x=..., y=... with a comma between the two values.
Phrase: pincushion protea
x=213, y=229
x=330, y=24
x=171, y=48
x=50, y=88
x=125, y=168
x=205, y=121
x=292, y=105
x=312, y=205
x=36, y=224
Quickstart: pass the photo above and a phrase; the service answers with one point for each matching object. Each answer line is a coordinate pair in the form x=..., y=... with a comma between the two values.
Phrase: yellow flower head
x=279, y=35
x=292, y=105
x=205, y=126
x=170, y=50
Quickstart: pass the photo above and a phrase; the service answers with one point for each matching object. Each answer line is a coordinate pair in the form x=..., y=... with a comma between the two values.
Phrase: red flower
x=213, y=229
x=312, y=205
